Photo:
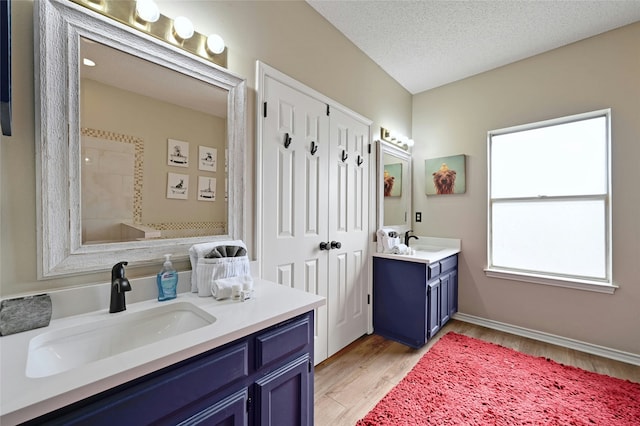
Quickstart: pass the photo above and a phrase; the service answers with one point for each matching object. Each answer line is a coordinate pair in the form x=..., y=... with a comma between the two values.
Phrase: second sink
x=431, y=249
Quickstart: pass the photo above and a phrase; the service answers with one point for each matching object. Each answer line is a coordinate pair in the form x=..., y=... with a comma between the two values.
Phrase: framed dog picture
x=393, y=180
x=445, y=175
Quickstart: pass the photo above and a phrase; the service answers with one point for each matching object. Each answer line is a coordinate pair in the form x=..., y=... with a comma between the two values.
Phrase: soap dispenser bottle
x=167, y=280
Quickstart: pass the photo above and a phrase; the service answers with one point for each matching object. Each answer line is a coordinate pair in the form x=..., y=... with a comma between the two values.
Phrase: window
x=549, y=218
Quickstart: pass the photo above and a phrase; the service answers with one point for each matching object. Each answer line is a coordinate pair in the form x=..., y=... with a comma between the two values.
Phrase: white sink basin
x=431, y=249
x=60, y=350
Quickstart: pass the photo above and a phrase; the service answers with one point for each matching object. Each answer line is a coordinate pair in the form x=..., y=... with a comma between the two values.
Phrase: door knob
x=325, y=246
x=336, y=244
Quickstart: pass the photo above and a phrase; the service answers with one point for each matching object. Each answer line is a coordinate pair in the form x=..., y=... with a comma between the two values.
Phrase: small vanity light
x=215, y=44
x=183, y=27
x=147, y=10
x=88, y=62
x=398, y=139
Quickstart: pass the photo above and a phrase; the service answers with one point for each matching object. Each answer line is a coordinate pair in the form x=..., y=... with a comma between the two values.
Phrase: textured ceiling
x=426, y=44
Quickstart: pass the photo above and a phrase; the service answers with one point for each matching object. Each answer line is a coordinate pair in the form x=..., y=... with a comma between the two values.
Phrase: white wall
x=288, y=35
x=596, y=73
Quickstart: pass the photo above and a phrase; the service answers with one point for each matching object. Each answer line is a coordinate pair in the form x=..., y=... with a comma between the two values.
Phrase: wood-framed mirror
x=394, y=187
x=143, y=159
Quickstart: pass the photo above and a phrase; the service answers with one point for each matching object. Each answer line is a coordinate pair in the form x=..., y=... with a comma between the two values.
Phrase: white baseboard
x=602, y=351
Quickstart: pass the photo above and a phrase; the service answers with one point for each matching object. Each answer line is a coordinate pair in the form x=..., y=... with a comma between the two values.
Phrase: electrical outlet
x=418, y=216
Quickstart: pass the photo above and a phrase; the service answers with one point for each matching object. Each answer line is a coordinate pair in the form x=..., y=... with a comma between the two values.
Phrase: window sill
x=557, y=282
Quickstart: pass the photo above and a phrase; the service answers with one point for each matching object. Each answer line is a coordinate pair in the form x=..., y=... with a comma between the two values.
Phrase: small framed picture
x=177, y=186
x=207, y=159
x=177, y=153
x=206, y=188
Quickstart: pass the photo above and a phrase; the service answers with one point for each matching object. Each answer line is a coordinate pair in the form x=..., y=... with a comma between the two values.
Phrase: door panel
x=285, y=204
x=295, y=193
x=348, y=224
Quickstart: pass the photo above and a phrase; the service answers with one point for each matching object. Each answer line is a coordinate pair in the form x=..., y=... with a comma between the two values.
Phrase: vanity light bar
x=124, y=11
x=397, y=139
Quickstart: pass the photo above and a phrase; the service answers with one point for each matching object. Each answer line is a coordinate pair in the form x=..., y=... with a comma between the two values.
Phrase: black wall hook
x=344, y=155
x=287, y=140
x=314, y=148
x=359, y=161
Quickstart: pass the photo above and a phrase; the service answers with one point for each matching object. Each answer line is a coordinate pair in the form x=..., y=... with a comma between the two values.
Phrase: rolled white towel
x=400, y=249
x=224, y=288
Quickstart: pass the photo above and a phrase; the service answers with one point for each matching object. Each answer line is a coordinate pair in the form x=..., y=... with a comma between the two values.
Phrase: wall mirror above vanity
x=139, y=155
x=394, y=187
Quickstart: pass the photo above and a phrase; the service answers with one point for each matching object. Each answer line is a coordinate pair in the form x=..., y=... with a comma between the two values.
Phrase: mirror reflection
x=153, y=150
x=395, y=186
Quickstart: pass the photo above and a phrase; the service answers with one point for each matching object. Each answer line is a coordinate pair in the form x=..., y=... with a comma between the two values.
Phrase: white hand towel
x=382, y=233
x=198, y=251
x=389, y=243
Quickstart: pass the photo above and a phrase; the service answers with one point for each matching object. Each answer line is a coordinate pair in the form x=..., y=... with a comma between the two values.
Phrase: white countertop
x=427, y=250
x=23, y=398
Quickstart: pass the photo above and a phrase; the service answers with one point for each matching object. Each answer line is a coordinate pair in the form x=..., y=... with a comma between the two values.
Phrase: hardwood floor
x=350, y=383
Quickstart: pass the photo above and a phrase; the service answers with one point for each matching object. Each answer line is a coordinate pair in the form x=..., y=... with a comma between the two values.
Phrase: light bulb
x=410, y=142
x=215, y=44
x=147, y=10
x=88, y=62
x=183, y=27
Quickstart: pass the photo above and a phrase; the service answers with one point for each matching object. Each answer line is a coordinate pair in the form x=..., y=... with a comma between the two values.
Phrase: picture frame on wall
x=445, y=175
x=177, y=153
x=177, y=186
x=206, y=188
x=207, y=159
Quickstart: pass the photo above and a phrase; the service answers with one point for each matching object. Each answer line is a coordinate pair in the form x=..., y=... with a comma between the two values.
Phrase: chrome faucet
x=408, y=237
x=119, y=285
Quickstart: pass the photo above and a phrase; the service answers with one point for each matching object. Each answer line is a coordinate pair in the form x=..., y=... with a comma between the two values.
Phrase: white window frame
x=605, y=285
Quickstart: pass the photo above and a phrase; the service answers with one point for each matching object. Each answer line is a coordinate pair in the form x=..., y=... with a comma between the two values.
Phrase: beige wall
x=288, y=35
x=599, y=72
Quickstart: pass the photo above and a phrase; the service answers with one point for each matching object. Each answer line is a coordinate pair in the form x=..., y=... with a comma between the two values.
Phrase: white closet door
x=349, y=226
x=295, y=192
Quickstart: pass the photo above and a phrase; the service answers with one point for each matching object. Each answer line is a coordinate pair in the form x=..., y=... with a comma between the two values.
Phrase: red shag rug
x=465, y=381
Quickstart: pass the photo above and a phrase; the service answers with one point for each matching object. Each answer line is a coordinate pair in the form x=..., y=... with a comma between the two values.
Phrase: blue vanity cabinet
x=413, y=300
x=267, y=375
